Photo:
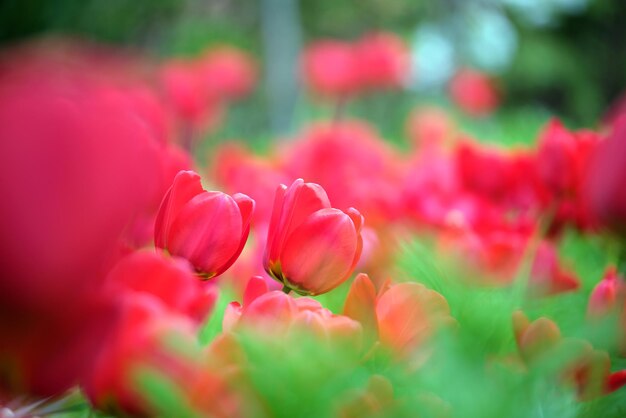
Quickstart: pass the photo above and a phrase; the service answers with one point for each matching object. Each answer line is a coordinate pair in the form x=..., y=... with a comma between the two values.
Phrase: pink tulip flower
x=209, y=229
x=311, y=247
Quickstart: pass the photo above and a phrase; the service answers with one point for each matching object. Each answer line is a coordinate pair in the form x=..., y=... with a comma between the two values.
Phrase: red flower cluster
x=197, y=90
x=342, y=69
x=115, y=257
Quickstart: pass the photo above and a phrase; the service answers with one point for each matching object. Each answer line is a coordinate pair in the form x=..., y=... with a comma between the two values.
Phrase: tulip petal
x=186, y=185
x=256, y=287
x=300, y=201
x=407, y=313
x=207, y=232
x=168, y=279
x=246, y=207
x=274, y=310
x=319, y=254
x=356, y=217
x=361, y=304
x=274, y=221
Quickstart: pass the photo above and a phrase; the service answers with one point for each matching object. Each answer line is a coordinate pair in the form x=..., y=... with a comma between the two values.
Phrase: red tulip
x=474, y=92
x=311, y=247
x=169, y=279
x=353, y=164
x=330, y=68
x=227, y=73
x=142, y=341
x=383, y=61
x=78, y=163
x=235, y=167
x=209, y=229
x=188, y=97
x=471, y=160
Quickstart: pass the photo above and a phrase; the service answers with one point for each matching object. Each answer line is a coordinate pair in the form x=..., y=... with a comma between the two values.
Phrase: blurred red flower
x=474, y=92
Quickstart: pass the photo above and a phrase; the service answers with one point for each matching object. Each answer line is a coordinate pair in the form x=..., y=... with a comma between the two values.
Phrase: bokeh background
x=551, y=57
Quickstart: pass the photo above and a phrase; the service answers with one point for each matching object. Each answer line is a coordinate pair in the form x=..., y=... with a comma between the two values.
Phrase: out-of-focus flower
x=585, y=368
x=474, y=92
x=226, y=72
x=605, y=187
x=78, y=162
x=188, y=97
x=311, y=247
x=605, y=297
x=383, y=61
x=172, y=159
x=547, y=276
x=535, y=338
x=93, y=166
x=45, y=353
x=402, y=316
x=608, y=299
x=151, y=338
x=483, y=170
x=562, y=162
x=353, y=164
x=331, y=68
x=490, y=249
x=339, y=69
x=408, y=314
x=209, y=229
x=277, y=314
x=237, y=169
x=169, y=279
x=429, y=128
x=558, y=158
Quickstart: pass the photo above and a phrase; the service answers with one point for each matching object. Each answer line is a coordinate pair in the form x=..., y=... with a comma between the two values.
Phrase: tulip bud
x=311, y=247
x=209, y=229
x=603, y=298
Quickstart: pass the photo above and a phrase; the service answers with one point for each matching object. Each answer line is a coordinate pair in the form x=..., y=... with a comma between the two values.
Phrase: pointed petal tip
x=356, y=217
x=246, y=206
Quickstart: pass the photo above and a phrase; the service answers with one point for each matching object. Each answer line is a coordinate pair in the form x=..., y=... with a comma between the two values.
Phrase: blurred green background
x=553, y=57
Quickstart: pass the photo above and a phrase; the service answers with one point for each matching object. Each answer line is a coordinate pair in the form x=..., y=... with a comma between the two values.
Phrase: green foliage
x=212, y=326
x=163, y=395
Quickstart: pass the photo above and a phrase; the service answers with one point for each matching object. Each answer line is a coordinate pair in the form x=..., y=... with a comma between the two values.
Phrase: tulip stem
x=286, y=289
